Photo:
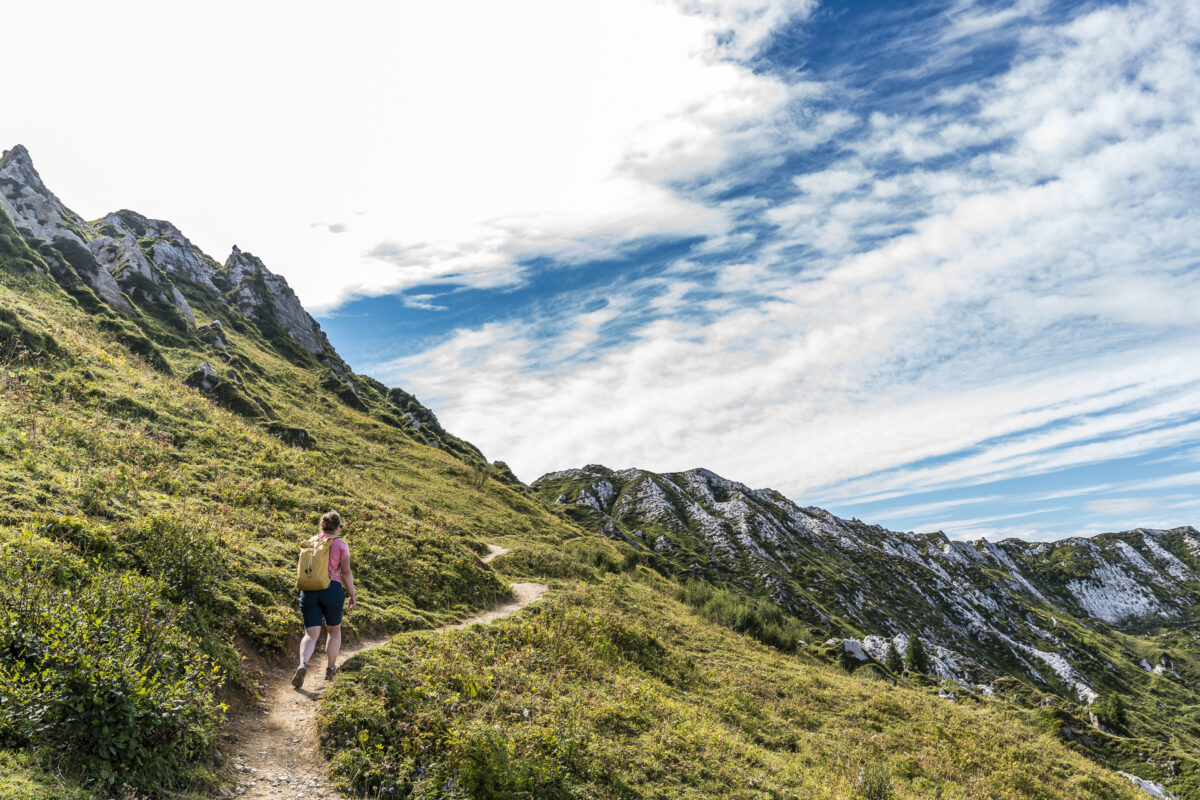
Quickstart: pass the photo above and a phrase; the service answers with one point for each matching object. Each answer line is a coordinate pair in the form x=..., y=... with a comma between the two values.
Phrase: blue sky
x=933, y=265
x=1033, y=359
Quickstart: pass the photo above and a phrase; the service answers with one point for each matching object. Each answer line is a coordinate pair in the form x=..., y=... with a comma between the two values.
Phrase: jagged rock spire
x=18, y=159
x=131, y=260
x=39, y=215
x=271, y=296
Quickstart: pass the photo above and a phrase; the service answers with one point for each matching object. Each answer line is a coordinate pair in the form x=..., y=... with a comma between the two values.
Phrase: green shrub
x=103, y=674
x=185, y=557
x=892, y=660
x=57, y=563
x=80, y=535
x=757, y=618
x=874, y=782
x=915, y=656
x=108, y=491
x=490, y=764
x=1111, y=712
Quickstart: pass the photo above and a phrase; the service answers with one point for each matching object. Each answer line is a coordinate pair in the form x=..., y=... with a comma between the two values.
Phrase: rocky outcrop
x=263, y=296
x=168, y=248
x=344, y=389
x=203, y=377
x=296, y=437
x=214, y=334
x=150, y=272
x=983, y=608
x=31, y=205
x=131, y=261
x=228, y=392
x=41, y=217
x=118, y=251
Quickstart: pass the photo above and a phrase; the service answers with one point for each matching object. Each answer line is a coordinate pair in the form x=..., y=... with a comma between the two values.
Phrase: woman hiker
x=328, y=602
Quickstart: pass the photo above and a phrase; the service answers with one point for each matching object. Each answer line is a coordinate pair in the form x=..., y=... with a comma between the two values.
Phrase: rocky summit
x=133, y=263
x=162, y=290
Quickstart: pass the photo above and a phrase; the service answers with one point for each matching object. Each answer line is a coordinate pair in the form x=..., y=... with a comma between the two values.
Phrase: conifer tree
x=892, y=660
x=1111, y=711
x=915, y=656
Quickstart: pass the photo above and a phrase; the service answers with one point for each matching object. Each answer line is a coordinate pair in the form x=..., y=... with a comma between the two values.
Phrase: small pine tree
x=892, y=660
x=915, y=656
x=1111, y=712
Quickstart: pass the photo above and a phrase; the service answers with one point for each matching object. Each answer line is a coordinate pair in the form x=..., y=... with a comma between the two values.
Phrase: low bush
x=1111, y=712
x=187, y=558
x=103, y=673
x=470, y=715
x=78, y=534
x=874, y=783
x=754, y=617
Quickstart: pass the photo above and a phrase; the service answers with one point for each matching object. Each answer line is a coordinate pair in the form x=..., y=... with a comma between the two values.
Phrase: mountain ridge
x=1081, y=618
x=149, y=274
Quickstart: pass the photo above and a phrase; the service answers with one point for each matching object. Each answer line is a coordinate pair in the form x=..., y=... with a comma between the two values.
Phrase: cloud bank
x=995, y=280
x=933, y=263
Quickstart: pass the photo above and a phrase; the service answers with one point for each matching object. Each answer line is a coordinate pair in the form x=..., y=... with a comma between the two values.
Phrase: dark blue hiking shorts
x=327, y=602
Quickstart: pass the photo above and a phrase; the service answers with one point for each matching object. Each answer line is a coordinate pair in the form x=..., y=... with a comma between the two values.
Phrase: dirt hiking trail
x=272, y=747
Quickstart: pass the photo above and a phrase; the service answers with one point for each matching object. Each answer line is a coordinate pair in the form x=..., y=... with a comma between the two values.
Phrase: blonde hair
x=330, y=521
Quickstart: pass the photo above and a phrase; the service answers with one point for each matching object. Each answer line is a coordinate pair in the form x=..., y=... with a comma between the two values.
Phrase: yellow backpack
x=312, y=573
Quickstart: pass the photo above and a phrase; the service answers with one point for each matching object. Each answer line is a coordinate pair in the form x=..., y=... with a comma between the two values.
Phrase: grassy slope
x=611, y=689
x=108, y=458
x=116, y=477
x=97, y=435
x=1161, y=740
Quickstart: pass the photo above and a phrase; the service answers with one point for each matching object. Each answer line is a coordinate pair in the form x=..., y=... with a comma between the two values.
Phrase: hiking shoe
x=330, y=672
x=298, y=678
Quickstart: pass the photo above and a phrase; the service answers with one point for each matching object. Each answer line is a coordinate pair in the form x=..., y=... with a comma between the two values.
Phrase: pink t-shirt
x=337, y=551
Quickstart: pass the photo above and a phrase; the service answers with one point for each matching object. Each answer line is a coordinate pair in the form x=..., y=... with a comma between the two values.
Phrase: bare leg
x=332, y=645
x=309, y=643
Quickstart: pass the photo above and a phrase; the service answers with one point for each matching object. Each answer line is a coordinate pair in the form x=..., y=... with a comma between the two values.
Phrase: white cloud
x=423, y=302
x=1179, y=481
x=1035, y=313
x=1131, y=506
x=992, y=281
x=585, y=331
x=459, y=138
x=964, y=528
x=930, y=509
x=744, y=24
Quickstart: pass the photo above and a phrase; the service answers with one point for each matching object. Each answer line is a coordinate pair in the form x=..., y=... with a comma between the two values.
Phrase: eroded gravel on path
x=273, y=746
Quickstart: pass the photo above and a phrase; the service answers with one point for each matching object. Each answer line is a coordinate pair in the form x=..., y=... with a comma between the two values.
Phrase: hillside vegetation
x=1090, y=624
x=158, y=471
x=150, y=533
x=612, y=689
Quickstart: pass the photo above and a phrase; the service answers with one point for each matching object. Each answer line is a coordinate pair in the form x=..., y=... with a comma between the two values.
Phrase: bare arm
x=348, y=580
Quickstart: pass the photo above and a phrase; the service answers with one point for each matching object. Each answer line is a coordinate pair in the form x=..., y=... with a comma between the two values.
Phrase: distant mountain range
x=1114, y=613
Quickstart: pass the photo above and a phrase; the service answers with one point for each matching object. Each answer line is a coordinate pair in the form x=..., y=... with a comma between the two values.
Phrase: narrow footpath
x=273, y=746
